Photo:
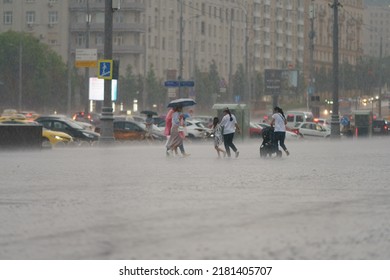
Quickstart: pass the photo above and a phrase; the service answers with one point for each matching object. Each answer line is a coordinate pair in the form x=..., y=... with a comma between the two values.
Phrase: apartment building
x=279, y=34
x=47, y=20
x=376, y=31
x=350, y=32
x=211, y=31
x=177, y=36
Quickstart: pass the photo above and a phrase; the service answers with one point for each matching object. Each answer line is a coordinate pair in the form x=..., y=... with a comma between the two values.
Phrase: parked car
x=55, y=138
x=196, y=130
x=313, y=129
x=68, y=126
x=255, y=130
x=322, y=121
x=291, y=134
x=49, y=137
x=294, y=117
x=91, y=118
x=131, y=131
x=380, y=127
x=207, y=121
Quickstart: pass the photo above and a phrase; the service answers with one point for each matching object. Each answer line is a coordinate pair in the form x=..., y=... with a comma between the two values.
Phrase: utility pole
x=181, y=48
x=310, y=91
x=247, y=86
x=88, y=26
x=380, y=80
x=107, y=129
x=335, y=120
x=230, y=84
x=20, y=74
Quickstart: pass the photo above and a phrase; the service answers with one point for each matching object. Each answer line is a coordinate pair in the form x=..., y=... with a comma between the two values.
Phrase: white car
x=313, y=129
x=195, y=129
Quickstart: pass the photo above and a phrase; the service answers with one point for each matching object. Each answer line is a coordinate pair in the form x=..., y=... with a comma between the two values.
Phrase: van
x=294, y=117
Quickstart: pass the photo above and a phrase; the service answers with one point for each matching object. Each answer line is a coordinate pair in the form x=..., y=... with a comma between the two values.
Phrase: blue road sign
x=179, y=83
x=171, y=83
x=105, y=69
x=310, y=90
x=187, y=83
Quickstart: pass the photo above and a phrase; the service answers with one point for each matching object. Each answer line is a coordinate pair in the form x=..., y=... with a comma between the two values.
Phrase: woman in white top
x=229, y=124
x=279, y=124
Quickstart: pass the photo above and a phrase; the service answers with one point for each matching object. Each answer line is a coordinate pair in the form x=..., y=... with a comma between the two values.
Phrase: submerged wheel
x=262, y=152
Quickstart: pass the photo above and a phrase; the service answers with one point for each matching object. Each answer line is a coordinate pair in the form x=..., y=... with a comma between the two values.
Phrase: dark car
x=380, y=127
x=131, y=130
x=68, y=126
x=92, y=118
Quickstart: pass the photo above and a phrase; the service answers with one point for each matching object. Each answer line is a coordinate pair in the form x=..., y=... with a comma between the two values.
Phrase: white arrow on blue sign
x=179, y=83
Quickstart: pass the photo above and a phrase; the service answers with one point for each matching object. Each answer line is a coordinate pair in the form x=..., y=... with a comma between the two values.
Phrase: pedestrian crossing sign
x=105, y=69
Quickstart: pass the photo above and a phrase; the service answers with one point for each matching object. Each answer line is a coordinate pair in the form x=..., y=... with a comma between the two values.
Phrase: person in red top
x=167, y=132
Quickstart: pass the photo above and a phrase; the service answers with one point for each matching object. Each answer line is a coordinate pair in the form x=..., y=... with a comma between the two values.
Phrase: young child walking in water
x=218, y=138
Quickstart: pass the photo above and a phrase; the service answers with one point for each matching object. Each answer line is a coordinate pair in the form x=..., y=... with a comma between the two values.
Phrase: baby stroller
x=269, y=146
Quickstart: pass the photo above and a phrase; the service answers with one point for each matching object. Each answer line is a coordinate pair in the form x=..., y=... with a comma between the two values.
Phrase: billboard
x=279, y=81
x=96, y=89
x=272, y=81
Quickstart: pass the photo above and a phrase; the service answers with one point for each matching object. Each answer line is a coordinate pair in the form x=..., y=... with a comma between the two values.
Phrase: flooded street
x=327, y=200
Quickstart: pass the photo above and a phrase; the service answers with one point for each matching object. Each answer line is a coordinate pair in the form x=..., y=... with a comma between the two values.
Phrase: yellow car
x=49, y=137
x=55, y=137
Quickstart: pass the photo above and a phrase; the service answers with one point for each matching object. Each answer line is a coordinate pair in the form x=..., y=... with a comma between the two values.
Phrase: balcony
x=134, y=6
x=117, y=27
x=123, y=49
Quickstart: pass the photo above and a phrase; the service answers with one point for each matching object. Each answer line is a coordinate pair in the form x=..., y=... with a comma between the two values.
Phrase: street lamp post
x=181, y=48
x=380, y=80
x=20, y=75
x=335, y=122
x=88, y=26
x=107, y=130
x=310, y=91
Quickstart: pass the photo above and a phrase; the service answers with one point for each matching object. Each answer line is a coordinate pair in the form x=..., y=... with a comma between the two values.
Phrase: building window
x=53, y=17
x=118, y=40
x=99, y=39
x=7, y=1
x=119, y=18
x=30, y=17
x=80, y=40
x=7, y=18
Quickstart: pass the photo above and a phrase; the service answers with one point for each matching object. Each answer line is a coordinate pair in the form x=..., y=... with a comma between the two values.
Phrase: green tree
x=207, y=86
x=239, y=82
x=155, y=89
x=44, y=75
x=257, y=86
x=128, y=88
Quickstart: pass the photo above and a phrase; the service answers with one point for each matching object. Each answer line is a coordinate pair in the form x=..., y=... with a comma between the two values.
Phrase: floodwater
x=329, y=199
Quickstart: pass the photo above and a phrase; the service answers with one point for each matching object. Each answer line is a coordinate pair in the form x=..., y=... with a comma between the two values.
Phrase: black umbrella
x=149, y=113
x=181, y=102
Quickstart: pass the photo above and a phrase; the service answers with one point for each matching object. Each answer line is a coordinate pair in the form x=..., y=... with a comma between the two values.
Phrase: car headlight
x=88, y=135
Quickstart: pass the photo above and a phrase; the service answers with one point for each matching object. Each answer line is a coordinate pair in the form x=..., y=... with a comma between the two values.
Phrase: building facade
x=175, y=37
x=46, y=20
x=376, y=32
x=279, y=34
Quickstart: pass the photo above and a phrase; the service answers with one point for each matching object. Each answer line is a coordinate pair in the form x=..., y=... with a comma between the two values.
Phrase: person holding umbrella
x=173, y=121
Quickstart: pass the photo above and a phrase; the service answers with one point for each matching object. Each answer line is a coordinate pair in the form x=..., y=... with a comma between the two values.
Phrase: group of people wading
x=223, y=130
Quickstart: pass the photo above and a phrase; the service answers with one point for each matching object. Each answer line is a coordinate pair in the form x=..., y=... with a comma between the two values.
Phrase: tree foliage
x=44, y=75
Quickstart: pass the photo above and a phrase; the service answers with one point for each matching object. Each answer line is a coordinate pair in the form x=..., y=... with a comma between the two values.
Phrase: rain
x=327, y=200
